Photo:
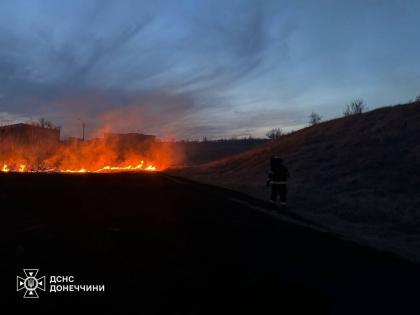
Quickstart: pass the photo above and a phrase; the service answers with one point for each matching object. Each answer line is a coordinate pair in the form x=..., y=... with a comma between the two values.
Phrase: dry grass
x=360, y=175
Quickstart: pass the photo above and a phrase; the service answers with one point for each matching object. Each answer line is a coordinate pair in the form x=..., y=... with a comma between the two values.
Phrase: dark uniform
x=277, y=178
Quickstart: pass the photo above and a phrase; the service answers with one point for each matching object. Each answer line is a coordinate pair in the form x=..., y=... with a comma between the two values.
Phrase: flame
x=106, y=169
x=5, y=168
x=82, y=170
x=98, y=155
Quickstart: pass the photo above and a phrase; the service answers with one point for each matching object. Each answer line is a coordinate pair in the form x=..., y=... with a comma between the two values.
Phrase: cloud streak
x=189, y=69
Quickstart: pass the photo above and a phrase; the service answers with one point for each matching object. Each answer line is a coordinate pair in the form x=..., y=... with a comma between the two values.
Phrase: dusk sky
x=188, y=69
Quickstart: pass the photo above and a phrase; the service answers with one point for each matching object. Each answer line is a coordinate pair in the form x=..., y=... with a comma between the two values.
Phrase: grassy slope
x=360, y=175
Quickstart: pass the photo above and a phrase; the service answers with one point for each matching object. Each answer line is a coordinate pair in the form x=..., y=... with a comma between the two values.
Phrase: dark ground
x=163, y=245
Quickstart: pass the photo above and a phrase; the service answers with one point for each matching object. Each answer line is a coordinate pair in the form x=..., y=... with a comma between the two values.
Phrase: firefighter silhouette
x=277, y=179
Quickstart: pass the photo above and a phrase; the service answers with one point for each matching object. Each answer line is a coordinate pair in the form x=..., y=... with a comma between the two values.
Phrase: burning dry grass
x=96, y=156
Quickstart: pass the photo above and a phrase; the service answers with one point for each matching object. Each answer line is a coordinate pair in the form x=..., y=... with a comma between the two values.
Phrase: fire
x=26, y=149
x=5, y=168
x=82, y=170
x=106, y=169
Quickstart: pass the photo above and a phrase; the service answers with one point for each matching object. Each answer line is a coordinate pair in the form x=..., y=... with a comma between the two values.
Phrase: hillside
x=359, y=175
x=199, y=152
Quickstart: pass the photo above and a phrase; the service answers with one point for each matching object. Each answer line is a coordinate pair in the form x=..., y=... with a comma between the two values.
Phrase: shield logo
x=30, y=283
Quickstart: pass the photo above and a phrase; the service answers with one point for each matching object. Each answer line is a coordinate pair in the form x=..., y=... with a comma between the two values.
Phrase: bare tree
x=274, y=133
x=418, y=98
x=48, y=124
x=355, y=107
x=314, y=119
x=43, y=123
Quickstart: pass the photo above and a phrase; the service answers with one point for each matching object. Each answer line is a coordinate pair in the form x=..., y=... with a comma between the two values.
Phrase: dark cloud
x=96, y=68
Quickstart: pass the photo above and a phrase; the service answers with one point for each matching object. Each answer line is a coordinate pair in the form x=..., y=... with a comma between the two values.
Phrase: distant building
x=29, y=134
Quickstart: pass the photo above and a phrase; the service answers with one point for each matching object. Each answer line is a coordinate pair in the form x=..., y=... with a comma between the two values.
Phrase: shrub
x=314, y=119
x=274, y=133
x=355, y=107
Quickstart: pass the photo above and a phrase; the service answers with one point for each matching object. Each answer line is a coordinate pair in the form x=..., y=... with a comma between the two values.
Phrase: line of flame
x=22, y=169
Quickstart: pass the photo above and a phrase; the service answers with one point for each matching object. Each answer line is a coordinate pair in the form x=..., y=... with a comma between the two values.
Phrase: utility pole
x=83, y=129
x=83, y=132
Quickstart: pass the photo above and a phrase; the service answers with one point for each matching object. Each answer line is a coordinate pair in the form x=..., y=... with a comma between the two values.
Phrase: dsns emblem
x=30, y=283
